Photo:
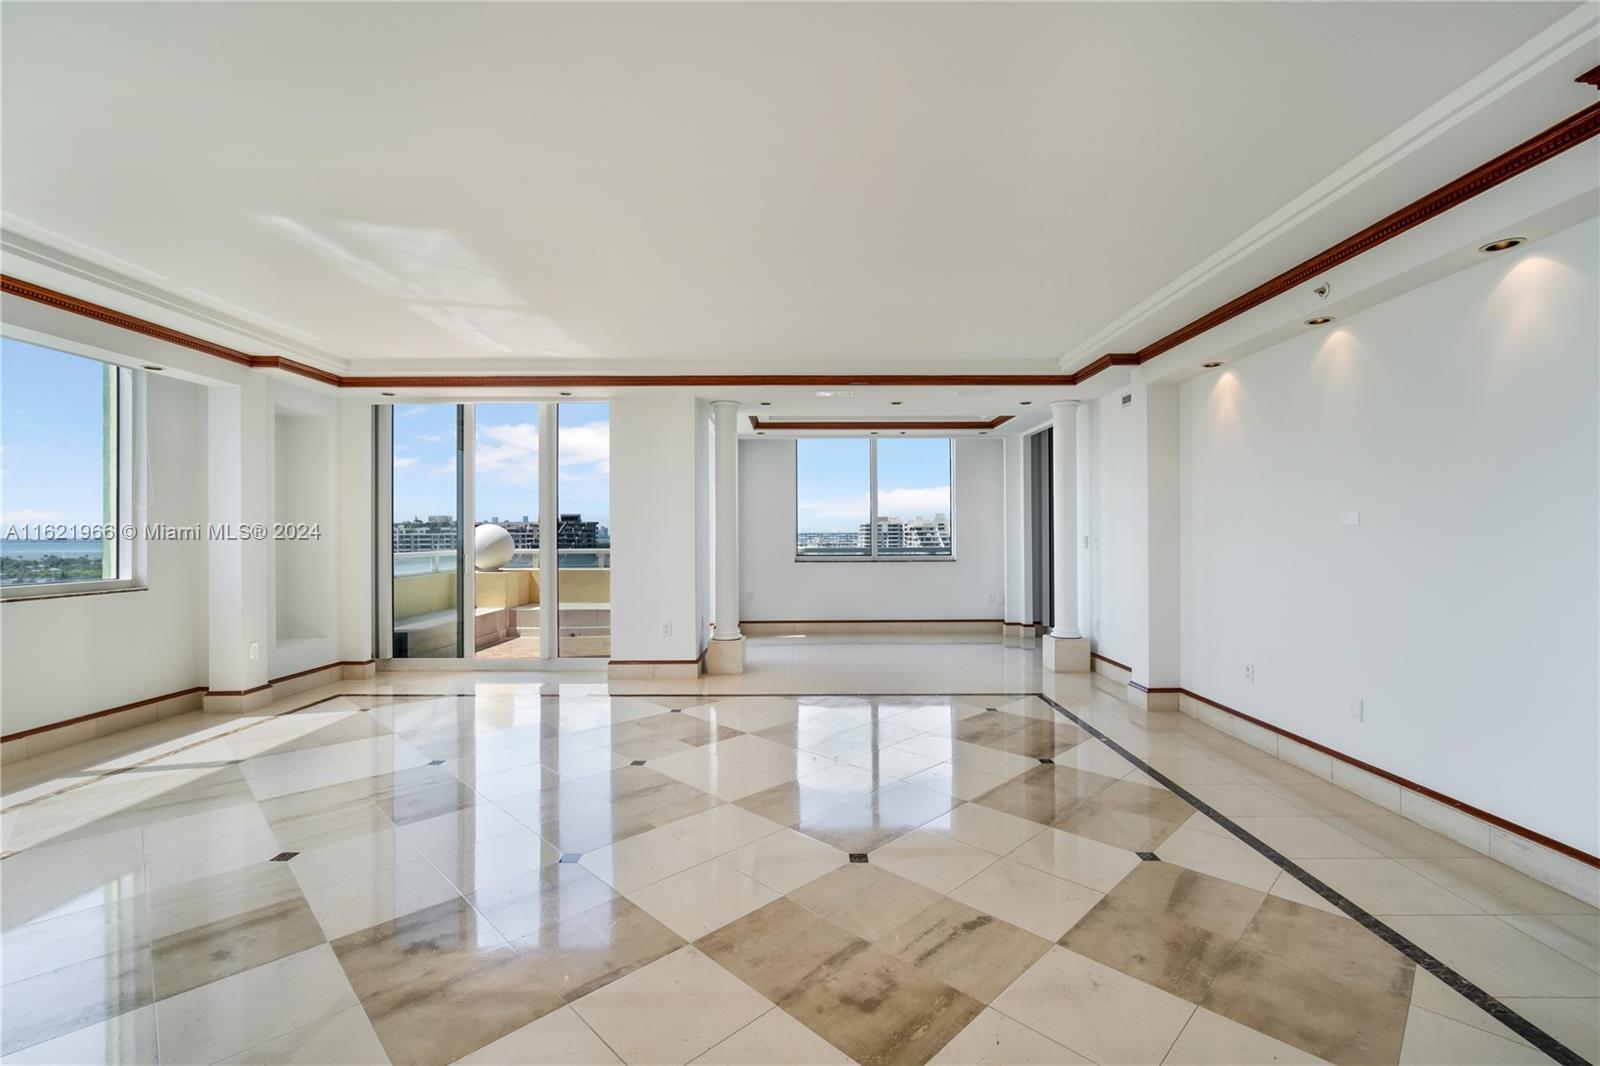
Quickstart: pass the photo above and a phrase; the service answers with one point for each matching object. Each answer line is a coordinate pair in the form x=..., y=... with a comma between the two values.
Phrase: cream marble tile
x=1212, y=1040
x=983, y=827
x=1030, y=899
x=786, y=860
x=1075, y=858
x=346, y=1038
x=940, y=862
x=1574, y=1022
x=364, y=856
x=191, y=861
x=1287, y=886
x=1434, y=1040
x=774, y=1039
x=672, y=1010
x=1226, y=857
x=121, y=1041
x=346, y=907
x=1385, y=887
x=1432, y=994
x=641, y=860
x=702, y=898
x=560, y=1038
x=1094, y=1010
x=1577, y=936
x=1500, y=959
x=992, y=1039
x=721, y=829
x=214, y=1021
x=962, y=782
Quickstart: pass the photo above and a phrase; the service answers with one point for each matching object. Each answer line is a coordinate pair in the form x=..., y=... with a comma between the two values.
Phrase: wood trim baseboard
x=945, y=424
x=1158, y=690
x=299, y=674
x=20, y=734
x=239, y=692
x=654, y=662
x=1438, y=797
x=1568, y=133
x=866, y=621
x=1110, y=661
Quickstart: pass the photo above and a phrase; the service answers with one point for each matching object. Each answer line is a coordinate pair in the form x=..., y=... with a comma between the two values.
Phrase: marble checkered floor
x=511, y=873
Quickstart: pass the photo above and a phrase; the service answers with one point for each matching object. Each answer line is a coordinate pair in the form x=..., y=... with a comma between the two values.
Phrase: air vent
x=1127, y=399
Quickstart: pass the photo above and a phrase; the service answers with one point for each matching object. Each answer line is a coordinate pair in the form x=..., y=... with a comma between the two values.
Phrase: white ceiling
x=677, y=188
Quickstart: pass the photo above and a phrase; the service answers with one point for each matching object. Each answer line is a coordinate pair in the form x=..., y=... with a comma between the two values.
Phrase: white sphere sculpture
x=493, y=547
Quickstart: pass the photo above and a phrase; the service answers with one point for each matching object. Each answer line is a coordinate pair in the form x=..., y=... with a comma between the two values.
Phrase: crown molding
x=1555, y=45
x=946, y=424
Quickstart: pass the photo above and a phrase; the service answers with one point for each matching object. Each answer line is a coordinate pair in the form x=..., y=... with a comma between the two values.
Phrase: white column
x=1065, y=650
x=726, y=654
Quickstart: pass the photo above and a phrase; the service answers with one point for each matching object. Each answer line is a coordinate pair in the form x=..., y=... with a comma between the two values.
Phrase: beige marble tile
x=1095, y=1011
x=642, y=860
x=597, y=946
x=525, y=905
x=125, y=1039
x=63, y=1000
x=1496, y=888
x=974, y=952
x=346, y=1038
x=1574, y=1022
x=1502, y=960
x=672, y=1010
x=984, y=827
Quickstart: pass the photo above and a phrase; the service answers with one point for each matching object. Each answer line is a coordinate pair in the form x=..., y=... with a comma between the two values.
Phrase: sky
x=507, y=461
x=833, y=479
x=52, y=427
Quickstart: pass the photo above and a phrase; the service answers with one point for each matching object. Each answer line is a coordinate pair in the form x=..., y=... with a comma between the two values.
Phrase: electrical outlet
x=255, y=650
x=666, y=629
x=1250, y=673
x=1357, y=709
x=993, y=598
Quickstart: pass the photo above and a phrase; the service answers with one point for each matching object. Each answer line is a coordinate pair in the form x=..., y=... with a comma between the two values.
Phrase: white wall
x=62, y=658
x=1120, y=587
x=1460, y=421
x=775, y=587
x=655, y=454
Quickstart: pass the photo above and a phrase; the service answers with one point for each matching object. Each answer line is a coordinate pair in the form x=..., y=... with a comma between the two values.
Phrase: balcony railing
x=443, y=560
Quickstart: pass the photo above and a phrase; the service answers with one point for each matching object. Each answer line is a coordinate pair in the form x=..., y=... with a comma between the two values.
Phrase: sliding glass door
x=426, y=616
x=498, y=543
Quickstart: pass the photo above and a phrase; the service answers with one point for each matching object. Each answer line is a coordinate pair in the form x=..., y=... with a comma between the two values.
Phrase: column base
x=725, y=656
x=1066, y=655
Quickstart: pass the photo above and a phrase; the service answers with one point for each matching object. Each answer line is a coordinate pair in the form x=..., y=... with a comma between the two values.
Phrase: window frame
x=127, y=407
x=873, y=555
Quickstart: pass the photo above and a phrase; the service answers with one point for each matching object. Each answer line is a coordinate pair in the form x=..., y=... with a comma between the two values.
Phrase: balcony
x=507, y=605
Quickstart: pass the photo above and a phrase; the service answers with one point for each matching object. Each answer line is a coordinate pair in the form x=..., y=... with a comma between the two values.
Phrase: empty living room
x=760, y=533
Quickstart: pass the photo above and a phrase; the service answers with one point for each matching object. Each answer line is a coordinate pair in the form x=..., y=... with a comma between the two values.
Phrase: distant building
x=439, y=533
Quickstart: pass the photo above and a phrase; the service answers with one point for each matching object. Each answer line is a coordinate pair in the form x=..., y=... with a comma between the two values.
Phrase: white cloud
x=511, y=452
x=850, y=511
x=401, y=462
x=432, y=438
x=28, y=516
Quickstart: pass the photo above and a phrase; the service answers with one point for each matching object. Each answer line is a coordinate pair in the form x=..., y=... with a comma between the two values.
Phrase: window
x=65, y=450
x=870, y=499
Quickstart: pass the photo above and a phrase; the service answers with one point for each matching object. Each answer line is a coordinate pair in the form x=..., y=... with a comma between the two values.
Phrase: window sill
x=875, y=558
x=9, y=596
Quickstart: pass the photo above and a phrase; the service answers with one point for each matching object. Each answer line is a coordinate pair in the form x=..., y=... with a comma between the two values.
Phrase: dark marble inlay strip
x=1470, y=991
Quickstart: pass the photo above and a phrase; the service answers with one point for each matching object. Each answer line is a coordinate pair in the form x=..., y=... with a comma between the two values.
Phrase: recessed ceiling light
x=386, y=394
x=902, y=432
x=1320, y=320
x=1503, y=243
x=566, y=394
x=1210, y=366
x=766, y=403
x=983, y=433
x=155, y=368
x=896, y=403
x=1026, y=403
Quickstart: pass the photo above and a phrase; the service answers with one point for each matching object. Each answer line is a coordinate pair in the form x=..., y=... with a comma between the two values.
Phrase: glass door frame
x=549, y=557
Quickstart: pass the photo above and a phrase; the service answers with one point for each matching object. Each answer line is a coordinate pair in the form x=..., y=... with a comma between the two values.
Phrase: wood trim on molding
x=239, y=692
x=1589, y=77
x=100, y=714
x=1568, y=133
x=301, y=673
x=947, y=424
x=1158, y=690
x=1438, y=797
x=654, y=662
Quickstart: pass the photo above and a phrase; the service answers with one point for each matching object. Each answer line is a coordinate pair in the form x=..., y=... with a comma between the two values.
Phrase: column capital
x=724, y=403
x=1065, y=403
